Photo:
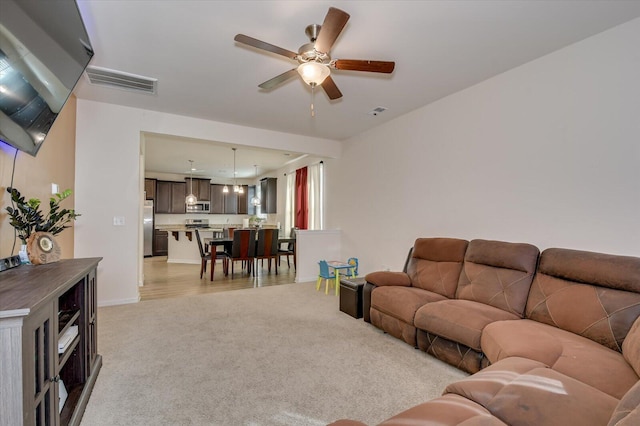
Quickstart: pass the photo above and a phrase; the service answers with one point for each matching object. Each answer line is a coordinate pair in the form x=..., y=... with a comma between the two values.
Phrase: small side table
x=351, y=296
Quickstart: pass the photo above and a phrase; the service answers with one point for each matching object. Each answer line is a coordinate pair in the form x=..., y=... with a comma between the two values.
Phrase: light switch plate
x=118, y=221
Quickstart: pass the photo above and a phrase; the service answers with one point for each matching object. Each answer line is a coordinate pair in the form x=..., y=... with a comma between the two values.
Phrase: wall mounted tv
x=44, y=48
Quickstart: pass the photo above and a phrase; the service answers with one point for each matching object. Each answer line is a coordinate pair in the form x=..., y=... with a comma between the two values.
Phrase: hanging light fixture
x=191, y=199
x=313, y=73
x=255, y=200
x=236, y=188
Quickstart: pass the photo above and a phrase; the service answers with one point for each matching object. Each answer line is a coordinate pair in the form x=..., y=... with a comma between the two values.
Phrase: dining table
x=227, y=242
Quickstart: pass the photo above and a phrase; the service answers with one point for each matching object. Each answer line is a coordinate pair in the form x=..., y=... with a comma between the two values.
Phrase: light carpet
x=271, y=356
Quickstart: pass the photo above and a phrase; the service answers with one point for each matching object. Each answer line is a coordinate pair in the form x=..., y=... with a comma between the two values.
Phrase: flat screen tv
x=44, y=48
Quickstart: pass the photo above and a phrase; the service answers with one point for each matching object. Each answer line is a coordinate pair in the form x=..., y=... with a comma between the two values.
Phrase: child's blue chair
x=325, y=274
x=353, y=261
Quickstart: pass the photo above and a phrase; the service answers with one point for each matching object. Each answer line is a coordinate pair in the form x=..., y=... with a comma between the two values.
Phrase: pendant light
x=191, y=199
x=236, y=188
x=255, y=200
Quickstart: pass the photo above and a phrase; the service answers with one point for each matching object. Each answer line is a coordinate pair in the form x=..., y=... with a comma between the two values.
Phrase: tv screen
x=44, y=48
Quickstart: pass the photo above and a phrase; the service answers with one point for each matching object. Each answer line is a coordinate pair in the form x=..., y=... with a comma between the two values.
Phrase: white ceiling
x=440, y=47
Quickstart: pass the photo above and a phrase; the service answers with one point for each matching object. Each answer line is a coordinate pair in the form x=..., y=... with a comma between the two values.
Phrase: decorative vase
x=24, y=257
x=43, y=248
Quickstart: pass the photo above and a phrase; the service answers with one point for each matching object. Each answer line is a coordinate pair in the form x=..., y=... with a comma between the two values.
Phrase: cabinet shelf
x=66, y=319
x=67, y=353
x=73, y=396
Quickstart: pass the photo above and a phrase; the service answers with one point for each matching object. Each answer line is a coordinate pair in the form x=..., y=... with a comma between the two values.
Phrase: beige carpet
x=281, y=355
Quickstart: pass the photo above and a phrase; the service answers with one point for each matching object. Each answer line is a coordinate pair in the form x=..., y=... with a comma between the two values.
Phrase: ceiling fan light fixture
x=313, y=73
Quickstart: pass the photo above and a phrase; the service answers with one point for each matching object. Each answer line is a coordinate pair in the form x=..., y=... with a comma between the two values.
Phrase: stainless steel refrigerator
x=147, y=227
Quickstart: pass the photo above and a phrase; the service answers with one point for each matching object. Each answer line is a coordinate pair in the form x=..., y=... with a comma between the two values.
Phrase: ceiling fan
x=315, y=64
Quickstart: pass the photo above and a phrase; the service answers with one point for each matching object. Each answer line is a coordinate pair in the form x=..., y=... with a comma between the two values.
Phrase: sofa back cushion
x=594, y=295
x=498, y=273
x=435, y=264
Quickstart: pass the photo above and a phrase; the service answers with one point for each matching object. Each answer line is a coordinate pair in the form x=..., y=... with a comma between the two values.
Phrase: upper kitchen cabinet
x=150, y=189
x=200, y=188
x=170, y=197
x=243, y=200
x=230, y=202
x=217, y=199
x=269, y=195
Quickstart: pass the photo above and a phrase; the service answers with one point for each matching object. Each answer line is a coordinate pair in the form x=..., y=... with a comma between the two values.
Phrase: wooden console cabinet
x=38, y=304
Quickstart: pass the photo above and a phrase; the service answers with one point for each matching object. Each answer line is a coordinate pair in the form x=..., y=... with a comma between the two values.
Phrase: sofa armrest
x=387, y=278
x=381, y=278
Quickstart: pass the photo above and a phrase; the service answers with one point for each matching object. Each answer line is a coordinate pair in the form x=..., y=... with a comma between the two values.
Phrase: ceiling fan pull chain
x=313, y=112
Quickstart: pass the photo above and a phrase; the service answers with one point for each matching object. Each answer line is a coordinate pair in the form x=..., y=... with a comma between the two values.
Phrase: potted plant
x=256, y=221
x=27, y=218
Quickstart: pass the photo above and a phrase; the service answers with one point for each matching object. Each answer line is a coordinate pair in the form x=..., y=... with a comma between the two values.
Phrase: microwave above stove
x=199, y=207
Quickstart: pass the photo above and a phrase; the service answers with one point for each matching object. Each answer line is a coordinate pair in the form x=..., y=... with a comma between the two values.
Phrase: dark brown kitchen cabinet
x=160, y=246
x=217, y=198
x=150, y=189
x=170, y=197
x=200, y=188
x=229, y=202
x=269, y=195
x=178, y=195
x=243, y=204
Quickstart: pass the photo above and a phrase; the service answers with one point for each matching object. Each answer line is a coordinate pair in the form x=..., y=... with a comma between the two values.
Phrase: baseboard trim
x=118, y=302
x=306, y=279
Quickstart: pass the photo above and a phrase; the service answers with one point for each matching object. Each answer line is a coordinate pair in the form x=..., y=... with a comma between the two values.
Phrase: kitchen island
x=182, y=244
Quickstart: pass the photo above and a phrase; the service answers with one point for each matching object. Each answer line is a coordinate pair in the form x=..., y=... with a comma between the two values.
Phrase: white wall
x=108, y=181
x=547, y=153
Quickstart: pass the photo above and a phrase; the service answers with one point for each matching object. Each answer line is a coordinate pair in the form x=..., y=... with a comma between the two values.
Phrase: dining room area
x=228, y=259
x=164, y=280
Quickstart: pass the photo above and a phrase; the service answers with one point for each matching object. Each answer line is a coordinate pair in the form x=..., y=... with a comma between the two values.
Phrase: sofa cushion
x=523, y=392
x=461, y=321
x=631, y=347
x=435, y=264
x=401, y=302
x=565, y=352
x=448, y=410
x=627, y=413
x=498, y=273
x=590, y=294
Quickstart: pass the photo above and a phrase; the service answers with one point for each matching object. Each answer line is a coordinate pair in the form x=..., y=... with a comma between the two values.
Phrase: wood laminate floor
x=163, y=280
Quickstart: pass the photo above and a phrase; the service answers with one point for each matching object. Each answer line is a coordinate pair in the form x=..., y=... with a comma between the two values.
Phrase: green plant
x=27, y=217
x=256, y=221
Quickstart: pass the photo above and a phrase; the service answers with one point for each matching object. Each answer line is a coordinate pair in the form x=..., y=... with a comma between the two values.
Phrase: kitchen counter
x=184, y=228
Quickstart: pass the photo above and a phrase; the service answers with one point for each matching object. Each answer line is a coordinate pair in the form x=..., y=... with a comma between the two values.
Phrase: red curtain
x=302, y=200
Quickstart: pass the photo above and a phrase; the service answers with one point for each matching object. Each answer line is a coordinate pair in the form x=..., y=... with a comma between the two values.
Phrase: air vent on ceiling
x=121, y=80
x=377, y=111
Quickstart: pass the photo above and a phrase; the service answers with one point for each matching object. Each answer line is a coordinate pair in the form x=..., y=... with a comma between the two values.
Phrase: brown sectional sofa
x=550, y=339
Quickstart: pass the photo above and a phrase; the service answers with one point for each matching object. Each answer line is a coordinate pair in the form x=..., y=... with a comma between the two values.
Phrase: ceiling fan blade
x=241, y=38
x=331, y=89
x=363, y=65
x=332, y=26
x=277, y=80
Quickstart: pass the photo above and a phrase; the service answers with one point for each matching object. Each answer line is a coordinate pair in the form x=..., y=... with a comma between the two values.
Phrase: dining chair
x=243, y=249
x=228, y=232
x=325, y=274
x=205, y=256
x=354, y=262
x=267, y=247
x=289, y=250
